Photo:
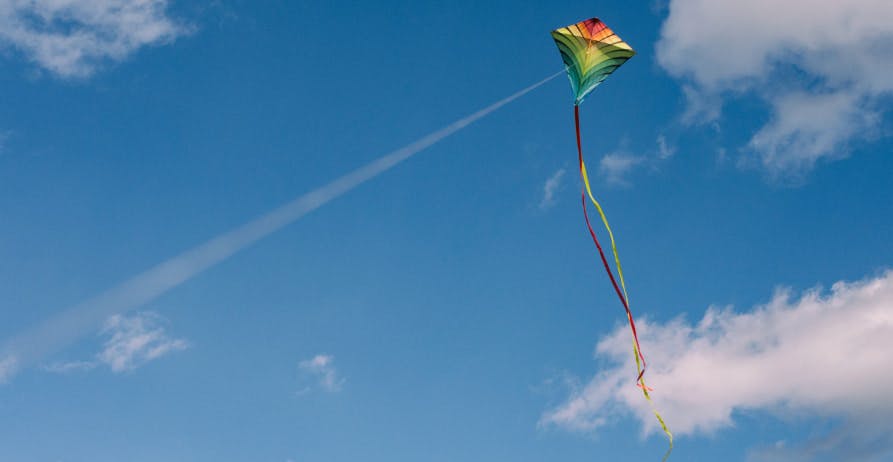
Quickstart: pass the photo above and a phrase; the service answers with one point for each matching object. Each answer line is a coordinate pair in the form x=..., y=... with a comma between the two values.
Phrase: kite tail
x=619, y=289
x=621, y=293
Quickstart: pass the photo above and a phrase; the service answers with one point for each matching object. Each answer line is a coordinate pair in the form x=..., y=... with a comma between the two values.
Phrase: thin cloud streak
x=63, y=329
x=67, y=367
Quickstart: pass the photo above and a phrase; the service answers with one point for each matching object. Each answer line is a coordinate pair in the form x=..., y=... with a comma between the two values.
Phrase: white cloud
x=802, y=58
x=320, y=370
x=813, y=126
x=135, y=340
x=70, y=38
x=553, y=183
x=823, y=354
x=615, y=166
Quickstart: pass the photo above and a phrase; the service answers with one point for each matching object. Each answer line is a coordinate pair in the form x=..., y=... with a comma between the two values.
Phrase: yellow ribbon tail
x=637, y=353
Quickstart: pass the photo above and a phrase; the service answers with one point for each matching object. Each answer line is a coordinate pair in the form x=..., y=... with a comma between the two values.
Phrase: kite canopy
x=591, y=51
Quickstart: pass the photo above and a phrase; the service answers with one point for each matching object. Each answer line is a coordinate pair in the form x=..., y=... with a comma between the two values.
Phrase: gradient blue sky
x=449, y=309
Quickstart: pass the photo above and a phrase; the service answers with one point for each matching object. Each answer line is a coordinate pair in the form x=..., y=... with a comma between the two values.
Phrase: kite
x=591, y=52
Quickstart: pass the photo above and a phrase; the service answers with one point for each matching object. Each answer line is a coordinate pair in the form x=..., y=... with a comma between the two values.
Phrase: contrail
x=63, y=329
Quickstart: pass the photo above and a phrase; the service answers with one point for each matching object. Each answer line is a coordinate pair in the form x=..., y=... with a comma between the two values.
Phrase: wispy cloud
x=828, y=66
x=615, y=167
x=70, y=38
x=319, y=371
x=8, y=366
x=553, y=183
x=619, y=166
x=132, y=341
x=823, y=354
x=664, y=149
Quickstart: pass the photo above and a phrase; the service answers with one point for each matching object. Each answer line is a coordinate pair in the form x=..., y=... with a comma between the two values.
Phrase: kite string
x=621, y=293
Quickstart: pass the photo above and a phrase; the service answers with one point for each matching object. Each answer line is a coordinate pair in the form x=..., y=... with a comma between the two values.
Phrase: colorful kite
x=591, y=51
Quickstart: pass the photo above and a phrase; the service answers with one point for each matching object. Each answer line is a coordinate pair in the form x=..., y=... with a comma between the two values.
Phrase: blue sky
x=453, y=307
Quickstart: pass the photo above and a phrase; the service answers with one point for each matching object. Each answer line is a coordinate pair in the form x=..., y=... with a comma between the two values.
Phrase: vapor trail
x=63, y=329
